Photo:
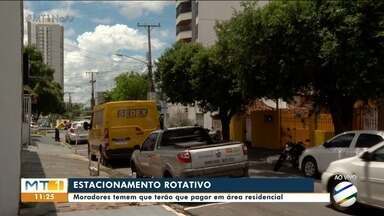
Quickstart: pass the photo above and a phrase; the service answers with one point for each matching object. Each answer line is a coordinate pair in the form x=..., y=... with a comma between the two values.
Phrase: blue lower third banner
x=171, y=190
x=192, y=185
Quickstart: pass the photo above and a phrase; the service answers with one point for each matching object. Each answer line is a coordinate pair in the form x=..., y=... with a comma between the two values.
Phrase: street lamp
x=136, y=59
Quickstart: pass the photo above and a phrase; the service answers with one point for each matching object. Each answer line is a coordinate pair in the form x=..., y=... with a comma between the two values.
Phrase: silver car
x=77, y=132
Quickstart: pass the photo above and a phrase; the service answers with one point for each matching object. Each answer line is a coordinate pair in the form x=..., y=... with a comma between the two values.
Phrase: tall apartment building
x=184, y=20
x=196, y=19
x=195, y=22
x=48, y=37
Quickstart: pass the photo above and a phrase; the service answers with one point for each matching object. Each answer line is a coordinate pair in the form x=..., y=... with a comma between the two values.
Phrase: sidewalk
x=46, y=158
x=262, y=154
x=157, y=210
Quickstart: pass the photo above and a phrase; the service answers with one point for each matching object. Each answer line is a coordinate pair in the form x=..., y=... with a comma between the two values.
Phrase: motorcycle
x=290, y=153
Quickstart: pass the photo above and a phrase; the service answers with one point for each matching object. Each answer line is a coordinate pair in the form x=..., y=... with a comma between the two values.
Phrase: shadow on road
x=31, y=167
x=120, y=163
x=362, y=210
x=266, y=170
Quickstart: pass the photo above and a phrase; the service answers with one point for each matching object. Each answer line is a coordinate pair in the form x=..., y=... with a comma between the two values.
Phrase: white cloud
x=93, y=51
x=110, y=38
x=134, y=9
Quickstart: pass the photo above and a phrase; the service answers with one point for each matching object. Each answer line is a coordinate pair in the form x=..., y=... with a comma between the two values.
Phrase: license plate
x=120, y=141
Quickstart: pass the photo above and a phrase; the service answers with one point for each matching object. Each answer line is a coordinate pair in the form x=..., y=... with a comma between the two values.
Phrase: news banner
x=170, y=190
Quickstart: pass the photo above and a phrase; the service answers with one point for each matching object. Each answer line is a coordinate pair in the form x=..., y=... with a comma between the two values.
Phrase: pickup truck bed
x=189, y=155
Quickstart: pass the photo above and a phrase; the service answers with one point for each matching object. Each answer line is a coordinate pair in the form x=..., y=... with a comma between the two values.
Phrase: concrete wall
x=208, y=13
x=11, y=39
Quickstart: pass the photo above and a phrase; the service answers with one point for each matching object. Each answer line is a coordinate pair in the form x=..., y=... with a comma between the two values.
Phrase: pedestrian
x=57, y=134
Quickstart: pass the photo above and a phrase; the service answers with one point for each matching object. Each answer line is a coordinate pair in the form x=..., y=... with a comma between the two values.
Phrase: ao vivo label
x=44, y=190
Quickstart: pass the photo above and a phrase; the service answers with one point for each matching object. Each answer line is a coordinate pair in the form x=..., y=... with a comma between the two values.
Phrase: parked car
x=316, y=160
x=117, y=127
x=188, y=151
x=365, y=171
x=77, y=131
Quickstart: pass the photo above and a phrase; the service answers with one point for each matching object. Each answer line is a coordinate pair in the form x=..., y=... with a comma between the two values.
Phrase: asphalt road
x=276, y=209
x=258, y=170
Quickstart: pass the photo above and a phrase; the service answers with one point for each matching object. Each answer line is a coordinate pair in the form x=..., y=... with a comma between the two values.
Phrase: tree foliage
x=38, y=78
x=174, y=72
x=331, y=50
x=74, y=110
x=190, y=73
x=128, y=86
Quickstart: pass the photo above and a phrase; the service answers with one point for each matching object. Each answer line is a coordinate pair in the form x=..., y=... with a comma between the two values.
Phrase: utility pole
x=92, y=81
x=151, y=84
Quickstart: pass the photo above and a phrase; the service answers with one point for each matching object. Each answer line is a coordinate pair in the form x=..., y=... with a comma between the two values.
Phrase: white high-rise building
x=184, y=20
x=48, y=37
x=195, y=22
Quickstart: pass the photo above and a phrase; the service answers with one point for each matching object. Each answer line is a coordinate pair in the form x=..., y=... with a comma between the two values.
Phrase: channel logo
x=345, y=194
x=36, y=185
x=44, y=190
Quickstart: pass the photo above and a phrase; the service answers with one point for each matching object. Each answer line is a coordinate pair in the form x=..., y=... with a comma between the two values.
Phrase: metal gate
x=370, y=119
x=27, y=118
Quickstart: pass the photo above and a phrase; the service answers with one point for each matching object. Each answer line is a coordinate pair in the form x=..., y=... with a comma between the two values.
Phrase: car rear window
x=185, y=135
x=368, y=140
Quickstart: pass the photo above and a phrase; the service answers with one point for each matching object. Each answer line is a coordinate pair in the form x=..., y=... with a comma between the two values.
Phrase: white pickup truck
x=186, y=152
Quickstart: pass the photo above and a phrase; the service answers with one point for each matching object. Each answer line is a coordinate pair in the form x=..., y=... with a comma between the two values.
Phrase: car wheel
x=104, y=161
x=167, y=174
x=310, y=167
x=279, y=162
x=134, y=169
x=91, y=156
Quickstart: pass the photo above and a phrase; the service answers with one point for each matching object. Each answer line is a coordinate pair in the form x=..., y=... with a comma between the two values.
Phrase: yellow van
x=117, y=127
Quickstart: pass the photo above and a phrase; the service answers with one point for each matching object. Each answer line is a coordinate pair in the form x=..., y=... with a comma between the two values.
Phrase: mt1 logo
x=43, y=185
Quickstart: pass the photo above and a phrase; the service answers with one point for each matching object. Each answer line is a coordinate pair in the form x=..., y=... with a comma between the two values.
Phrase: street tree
x=330, y=50
x=74, y=110
x=173, y=72
x=216, y=86
x=190, y=73
x=128, y=86
x=38, y=81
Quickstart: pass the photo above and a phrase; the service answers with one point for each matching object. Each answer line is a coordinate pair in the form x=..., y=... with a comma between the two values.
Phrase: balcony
x=183, y=7
x=184, y=25
x=184, y=17
x=183, y=28
x=184, y=35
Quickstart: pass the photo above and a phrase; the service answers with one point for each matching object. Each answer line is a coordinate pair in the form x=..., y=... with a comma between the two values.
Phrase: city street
x=161, y=108
x=46, y=158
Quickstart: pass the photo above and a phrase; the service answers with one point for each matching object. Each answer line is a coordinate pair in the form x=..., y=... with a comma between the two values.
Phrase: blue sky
x=94, y=30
